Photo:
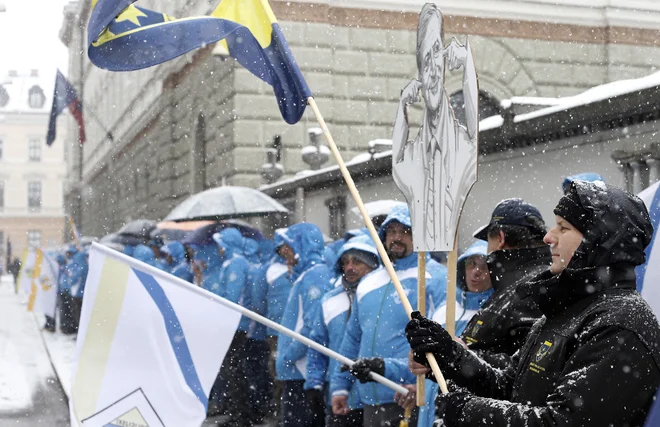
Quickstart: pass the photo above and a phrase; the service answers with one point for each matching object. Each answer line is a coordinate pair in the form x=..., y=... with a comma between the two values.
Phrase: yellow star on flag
x=131, y=13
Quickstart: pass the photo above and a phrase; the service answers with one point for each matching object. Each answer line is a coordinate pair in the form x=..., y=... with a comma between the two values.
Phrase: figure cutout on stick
x=436, y=170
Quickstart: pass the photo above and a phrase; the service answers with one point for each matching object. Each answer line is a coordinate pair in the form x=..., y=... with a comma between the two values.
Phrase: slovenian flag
x=149, y=347
x=65, y=96
x=125, y=37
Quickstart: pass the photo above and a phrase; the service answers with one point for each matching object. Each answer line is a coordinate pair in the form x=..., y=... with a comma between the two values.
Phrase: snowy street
x=30, y=394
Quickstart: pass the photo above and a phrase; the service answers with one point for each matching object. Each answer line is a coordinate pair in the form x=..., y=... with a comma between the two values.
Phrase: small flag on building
x=124, y=37
x=149, y=346
x=64, y=96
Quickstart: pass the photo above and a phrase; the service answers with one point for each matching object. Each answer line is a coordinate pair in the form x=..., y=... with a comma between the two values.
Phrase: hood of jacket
x=399, y=214
x=176, y=250
x=230, y=240
x=508, y=266
x=360, y=243
x=208, y=254
x=251, y=250
x=306, y=240
x=586, y=176
x=619, y=227
x=266, y=250
x=477, y=248
x=145, y=254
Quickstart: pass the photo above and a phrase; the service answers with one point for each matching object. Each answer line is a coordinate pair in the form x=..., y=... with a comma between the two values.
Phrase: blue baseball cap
x=513, y=212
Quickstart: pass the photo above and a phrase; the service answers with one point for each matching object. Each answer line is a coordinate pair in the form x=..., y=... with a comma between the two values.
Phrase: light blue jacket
x=179, y=266
x=467, y=305
x=77, y=270
x=311, y=280
x=378, y=320
x=208, y=258
x=330, y=325
x=257, y=288
x=235, y=271
x=145, y=254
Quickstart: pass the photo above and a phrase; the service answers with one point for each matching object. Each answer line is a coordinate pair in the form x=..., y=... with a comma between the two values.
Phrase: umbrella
x=124, y=239
x=378, y=207
x=139, y=228
x=204, y=235
x=168, y=231
x=225, y=202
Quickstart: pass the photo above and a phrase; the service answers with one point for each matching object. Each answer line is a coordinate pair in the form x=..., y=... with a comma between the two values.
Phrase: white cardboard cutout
x=436, y=170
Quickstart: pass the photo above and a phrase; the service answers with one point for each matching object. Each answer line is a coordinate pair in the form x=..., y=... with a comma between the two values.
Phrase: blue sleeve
x=258, y=292
x=236, y=276
x=396, y=369
x=350, y=348
x=311, y=291
x=317, y=363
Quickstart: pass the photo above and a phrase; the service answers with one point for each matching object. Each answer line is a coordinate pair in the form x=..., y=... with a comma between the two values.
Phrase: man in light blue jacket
x=233, y=286
x=302, y=247
x=357, y=258
x=376, y=329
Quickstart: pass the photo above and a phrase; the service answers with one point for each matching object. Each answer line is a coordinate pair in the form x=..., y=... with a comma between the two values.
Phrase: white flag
x=39, y=280
x=149, y=346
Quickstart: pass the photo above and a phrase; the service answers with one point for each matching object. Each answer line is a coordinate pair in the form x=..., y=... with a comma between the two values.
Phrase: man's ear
x=501, y=241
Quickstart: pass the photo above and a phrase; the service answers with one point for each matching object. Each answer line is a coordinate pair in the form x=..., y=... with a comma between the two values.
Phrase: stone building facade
x=31, y=173
x=202, y=121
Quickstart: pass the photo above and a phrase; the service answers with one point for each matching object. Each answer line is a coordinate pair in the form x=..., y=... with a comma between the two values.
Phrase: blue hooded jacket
x=64, y=280
x=467, y=305
x=311, y=279
x=179, y=266
x=77, y=270
x=586, y=176
x=235, y=271
x=330, y=325
x=258, y=288
x=145, y=254
x=209, y=260
x=378, y=320
x=278, y=280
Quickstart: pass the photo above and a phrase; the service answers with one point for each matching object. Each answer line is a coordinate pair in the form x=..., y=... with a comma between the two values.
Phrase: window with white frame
x=34, y=238
x=34, y=195
x=34, y=150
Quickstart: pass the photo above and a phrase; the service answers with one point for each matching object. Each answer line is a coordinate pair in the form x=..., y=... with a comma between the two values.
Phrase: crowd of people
x=549, y=327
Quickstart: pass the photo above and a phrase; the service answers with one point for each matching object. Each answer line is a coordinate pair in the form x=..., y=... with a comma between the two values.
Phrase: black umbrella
x=224, y=203
x=139, y=228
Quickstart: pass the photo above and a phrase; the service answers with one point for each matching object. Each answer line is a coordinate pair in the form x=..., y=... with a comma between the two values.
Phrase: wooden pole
x=452, y=258
x=421, y=306
x=74, y=231
x=374, y=235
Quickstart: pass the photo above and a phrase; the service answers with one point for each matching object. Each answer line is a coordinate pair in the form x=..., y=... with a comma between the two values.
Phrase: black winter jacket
x=593, y=359
x=502, y=323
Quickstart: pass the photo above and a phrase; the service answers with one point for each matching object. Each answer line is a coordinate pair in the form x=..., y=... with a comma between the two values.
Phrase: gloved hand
x=362, y=367
x=449, y=407
x=427, y=336
x=315, y=400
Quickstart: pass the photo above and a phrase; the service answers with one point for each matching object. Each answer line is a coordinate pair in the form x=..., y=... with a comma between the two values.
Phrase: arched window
x=36, y=97
x=4, y=97
x=488, y=106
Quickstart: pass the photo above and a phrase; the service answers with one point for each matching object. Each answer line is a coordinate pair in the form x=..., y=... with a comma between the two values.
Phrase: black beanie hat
x=570, y=208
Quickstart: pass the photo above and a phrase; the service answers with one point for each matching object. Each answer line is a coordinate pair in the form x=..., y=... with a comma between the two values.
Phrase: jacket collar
x=555, y=293
x=474, y=300
x=405, y=263
x=507, y=266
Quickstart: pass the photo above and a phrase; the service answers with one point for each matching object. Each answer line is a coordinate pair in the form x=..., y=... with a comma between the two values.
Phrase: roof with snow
x=523, y=123
x=29, y=92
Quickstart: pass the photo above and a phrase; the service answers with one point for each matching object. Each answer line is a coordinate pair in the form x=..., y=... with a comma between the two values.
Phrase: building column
x=654, y=170
x=637, y=185
x=300, y=205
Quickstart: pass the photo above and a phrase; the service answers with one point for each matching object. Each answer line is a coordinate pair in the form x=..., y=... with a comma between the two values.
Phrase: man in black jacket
x=516, y=253
x=593, y=358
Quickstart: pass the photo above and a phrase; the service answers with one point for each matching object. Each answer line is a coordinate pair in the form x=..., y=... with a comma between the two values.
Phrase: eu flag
x=125, y=37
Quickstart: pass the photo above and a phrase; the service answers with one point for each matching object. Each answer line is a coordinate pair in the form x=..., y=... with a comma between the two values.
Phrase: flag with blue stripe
x=126, y=37
x=149, y=346
x=648, y=274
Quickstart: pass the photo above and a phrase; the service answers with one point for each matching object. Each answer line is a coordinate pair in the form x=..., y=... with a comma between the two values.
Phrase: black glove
x=315, y=400
x=362, y=367
x=449, y=407
x=427, y=336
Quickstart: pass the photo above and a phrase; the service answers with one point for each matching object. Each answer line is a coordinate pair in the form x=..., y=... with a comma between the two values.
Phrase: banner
x=149, y=346
x=38, y=279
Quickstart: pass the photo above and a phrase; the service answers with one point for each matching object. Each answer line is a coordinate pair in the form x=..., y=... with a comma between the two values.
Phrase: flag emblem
x=543, y=350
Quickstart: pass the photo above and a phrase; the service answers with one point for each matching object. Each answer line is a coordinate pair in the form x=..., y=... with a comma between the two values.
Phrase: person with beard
x=357, y=258
x=374, y=333
x=593, y=358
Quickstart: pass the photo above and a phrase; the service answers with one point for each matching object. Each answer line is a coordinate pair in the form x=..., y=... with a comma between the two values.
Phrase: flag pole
x=244, y=311
x=374, y=235
x=421, y=306
x=74, y=231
